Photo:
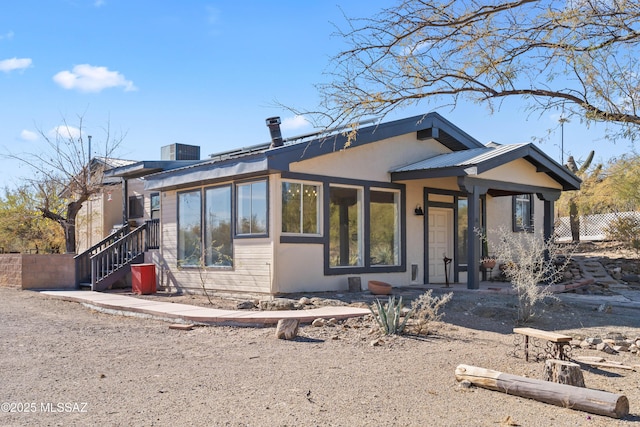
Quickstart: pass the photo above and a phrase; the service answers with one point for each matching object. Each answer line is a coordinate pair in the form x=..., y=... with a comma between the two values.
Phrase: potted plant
x=488, y=262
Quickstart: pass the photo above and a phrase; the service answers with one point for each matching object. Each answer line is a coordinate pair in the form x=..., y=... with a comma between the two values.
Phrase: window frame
x=529, y=226
x=153, y=196
x=397, y=228
x=205, y=229
x=318, y=209
x=362, y=231
x=366, y=186
x=135, y=206
x=179, y=209
x=202, y=237
x=236, y=206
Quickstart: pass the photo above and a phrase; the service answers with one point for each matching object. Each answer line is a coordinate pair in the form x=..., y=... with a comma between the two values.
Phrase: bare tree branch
x=66, y=173
x=583, y=55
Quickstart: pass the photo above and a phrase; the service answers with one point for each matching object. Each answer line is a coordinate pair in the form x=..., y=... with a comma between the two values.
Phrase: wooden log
x=600, y=362
x=582, y=399
x=563, y=372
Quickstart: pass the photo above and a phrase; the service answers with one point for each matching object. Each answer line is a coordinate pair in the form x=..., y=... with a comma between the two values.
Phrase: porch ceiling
x=475, y=161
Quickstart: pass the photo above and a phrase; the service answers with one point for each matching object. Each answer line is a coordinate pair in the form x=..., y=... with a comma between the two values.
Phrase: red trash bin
x=143, y=279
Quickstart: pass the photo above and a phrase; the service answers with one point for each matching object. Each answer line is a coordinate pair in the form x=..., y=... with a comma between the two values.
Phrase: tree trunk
x=574, y=221
x=70, y=226
x=69, y=236
x=563, y=372
x=566, y=396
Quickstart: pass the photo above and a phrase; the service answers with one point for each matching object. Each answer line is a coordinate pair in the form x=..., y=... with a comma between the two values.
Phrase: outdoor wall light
x=418, y=210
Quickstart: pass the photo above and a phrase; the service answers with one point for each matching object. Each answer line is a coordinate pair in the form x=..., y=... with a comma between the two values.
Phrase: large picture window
x=211, y=226
x=189, y=228
x=384, y=232
x=217, y=228
x=251, y=215
x=300, y=208
x=523, y=213
x=345, y=226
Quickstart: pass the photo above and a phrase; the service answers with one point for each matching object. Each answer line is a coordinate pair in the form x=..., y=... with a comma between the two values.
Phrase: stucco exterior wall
x=373, y=161
x=500, y=216
x=521, y=172
x=27, y=271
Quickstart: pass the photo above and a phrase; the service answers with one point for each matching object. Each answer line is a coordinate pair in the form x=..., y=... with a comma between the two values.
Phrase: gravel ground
x=64, y=364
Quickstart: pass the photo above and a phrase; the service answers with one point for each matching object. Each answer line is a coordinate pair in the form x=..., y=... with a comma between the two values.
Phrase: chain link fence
x=592, y=227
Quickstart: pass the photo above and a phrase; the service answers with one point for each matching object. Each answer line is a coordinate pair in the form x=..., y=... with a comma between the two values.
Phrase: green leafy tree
x=582, y=56
x=622, y=181
x=22, y=228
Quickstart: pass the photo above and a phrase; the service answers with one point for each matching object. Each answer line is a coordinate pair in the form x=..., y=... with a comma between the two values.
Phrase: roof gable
x=426, y=126
x=479, y=160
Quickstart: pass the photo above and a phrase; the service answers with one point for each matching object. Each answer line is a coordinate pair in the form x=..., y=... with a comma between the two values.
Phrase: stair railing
x=83, y=260
x=118, y=254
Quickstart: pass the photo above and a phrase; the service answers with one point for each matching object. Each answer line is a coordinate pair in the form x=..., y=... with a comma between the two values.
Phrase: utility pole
x=562, y=121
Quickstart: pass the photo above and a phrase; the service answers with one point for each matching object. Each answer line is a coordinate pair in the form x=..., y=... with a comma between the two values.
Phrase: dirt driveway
x=64, y=364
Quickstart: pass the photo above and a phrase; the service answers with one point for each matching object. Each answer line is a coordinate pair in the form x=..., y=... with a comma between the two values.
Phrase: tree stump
x=287, y=329
x=563, y=372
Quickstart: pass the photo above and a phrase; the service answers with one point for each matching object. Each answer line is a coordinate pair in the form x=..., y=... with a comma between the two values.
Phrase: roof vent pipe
x=273, y=123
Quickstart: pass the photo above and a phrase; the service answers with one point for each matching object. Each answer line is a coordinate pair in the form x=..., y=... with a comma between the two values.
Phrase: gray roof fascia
x=480, y=161
x=546, y=164
x=281, y=157
x=148, y=167
x=451, y=136
x=207, y=172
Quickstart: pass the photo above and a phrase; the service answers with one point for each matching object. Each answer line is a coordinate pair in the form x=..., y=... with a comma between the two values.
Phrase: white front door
x=440, y=243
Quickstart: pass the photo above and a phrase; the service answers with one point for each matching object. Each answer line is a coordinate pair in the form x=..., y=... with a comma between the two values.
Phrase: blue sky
x=197, y=72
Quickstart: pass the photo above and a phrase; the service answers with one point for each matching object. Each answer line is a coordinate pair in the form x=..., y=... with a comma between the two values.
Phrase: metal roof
x=471, y=157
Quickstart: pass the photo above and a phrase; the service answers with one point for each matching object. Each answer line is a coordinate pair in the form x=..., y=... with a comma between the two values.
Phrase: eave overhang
x=474, y=162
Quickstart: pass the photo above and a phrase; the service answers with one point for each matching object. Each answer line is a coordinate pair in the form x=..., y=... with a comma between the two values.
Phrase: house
x=306, y=214
x=102, y=213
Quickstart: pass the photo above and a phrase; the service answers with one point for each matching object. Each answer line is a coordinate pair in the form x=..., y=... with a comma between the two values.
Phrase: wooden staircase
x=110, y=260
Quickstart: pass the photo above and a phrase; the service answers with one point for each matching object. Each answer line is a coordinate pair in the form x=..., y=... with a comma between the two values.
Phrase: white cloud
x=28, y=135
x=295, y=123
x=8, y=65
x=64, y=132
x=98, y=3
x=7, y=36
x=88, y=78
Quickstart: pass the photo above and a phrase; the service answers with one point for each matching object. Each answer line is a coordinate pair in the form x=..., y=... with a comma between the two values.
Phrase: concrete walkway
x=185, y=313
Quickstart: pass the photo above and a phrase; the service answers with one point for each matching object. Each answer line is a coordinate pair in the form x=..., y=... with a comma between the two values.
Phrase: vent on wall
x=180, y=152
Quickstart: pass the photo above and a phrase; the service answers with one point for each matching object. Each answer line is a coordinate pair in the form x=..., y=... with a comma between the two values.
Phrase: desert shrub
x=388, y=316
x=626, y=230
x=532, y=265
x=426, y=308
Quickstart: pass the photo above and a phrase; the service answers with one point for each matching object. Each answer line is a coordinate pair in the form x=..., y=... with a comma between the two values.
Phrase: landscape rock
x=318, y=323
x=593, y=340
x=305, y=301
x=630, y=278
x=616, y=336
x=246, y=305
x=603, y=346
x=278, y=304
x=287, y=329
